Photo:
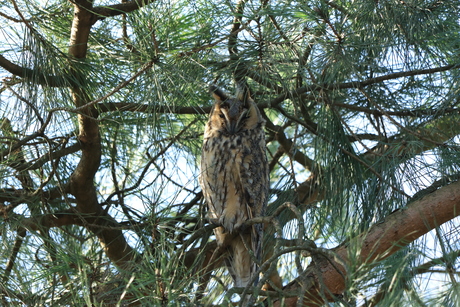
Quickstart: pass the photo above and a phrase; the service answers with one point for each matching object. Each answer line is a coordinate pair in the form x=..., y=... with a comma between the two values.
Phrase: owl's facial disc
x=234, y=113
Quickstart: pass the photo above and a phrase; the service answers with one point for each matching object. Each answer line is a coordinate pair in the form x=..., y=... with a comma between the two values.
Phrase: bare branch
x=143, y=108
x=103, y=12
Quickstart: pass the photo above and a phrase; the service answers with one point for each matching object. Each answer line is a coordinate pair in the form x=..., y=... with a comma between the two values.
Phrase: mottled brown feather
x=234, y=178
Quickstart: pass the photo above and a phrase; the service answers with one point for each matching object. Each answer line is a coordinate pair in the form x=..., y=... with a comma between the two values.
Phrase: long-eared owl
x=234, y=178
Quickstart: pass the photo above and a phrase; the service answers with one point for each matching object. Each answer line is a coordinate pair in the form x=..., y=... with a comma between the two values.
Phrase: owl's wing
x=254, y=175
x=208, y=182
x=255, y=181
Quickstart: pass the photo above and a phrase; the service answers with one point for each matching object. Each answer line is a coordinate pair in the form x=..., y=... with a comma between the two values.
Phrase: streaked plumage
x=234, y=177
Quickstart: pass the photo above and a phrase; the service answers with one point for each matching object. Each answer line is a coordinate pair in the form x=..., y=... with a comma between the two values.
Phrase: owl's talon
x=228, y=222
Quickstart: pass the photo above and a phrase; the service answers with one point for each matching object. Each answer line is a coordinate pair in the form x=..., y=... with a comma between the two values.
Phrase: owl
x=234, y=178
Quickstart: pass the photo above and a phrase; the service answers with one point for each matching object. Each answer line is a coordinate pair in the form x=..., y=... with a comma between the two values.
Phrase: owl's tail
x=240, y=263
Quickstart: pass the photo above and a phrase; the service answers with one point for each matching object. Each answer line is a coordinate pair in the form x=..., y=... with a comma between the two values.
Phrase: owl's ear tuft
x=217, y=93
x=242, y=92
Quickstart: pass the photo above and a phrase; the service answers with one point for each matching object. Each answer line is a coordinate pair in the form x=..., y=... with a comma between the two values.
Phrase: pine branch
x=20, y=235
x=35, y=75
x=381, y=241
x=359, y=84
x=82, y=186
x=421, y=269
x=103, y=12
x=289, y=146
x=400, y=113
x=149, y=109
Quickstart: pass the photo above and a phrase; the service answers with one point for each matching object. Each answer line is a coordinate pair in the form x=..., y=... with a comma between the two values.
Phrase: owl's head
x=233, y=114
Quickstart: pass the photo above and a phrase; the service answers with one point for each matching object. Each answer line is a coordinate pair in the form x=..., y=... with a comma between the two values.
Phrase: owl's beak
x=232, y=126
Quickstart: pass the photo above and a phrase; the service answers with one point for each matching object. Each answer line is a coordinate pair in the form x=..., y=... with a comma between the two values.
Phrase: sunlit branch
x=359, y=84
x=144, y=108
x=34, y=75
x=103, y=12
x=402, y=113
x=10, y=18
x=383, y=239
x=20, y=234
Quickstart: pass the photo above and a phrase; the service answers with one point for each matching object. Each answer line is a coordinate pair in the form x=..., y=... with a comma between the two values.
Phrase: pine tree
x=102, y=110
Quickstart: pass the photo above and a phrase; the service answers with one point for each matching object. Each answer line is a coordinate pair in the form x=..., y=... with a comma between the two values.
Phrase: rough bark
x=82, y=180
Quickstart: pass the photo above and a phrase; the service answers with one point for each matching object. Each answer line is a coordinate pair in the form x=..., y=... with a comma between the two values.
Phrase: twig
x=10, y=18
x=151, y=161
x=115, y=90
x=20, y=235
x=359, y=84
x=418, y=135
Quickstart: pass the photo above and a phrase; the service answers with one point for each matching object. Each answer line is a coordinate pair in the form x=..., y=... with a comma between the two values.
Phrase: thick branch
x=37, y=77
x=82, y=179
x=102, y=12
x=381, y=241
x=81, y=27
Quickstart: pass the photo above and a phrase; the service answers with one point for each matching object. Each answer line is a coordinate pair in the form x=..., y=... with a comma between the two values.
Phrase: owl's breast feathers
x=234, y=176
